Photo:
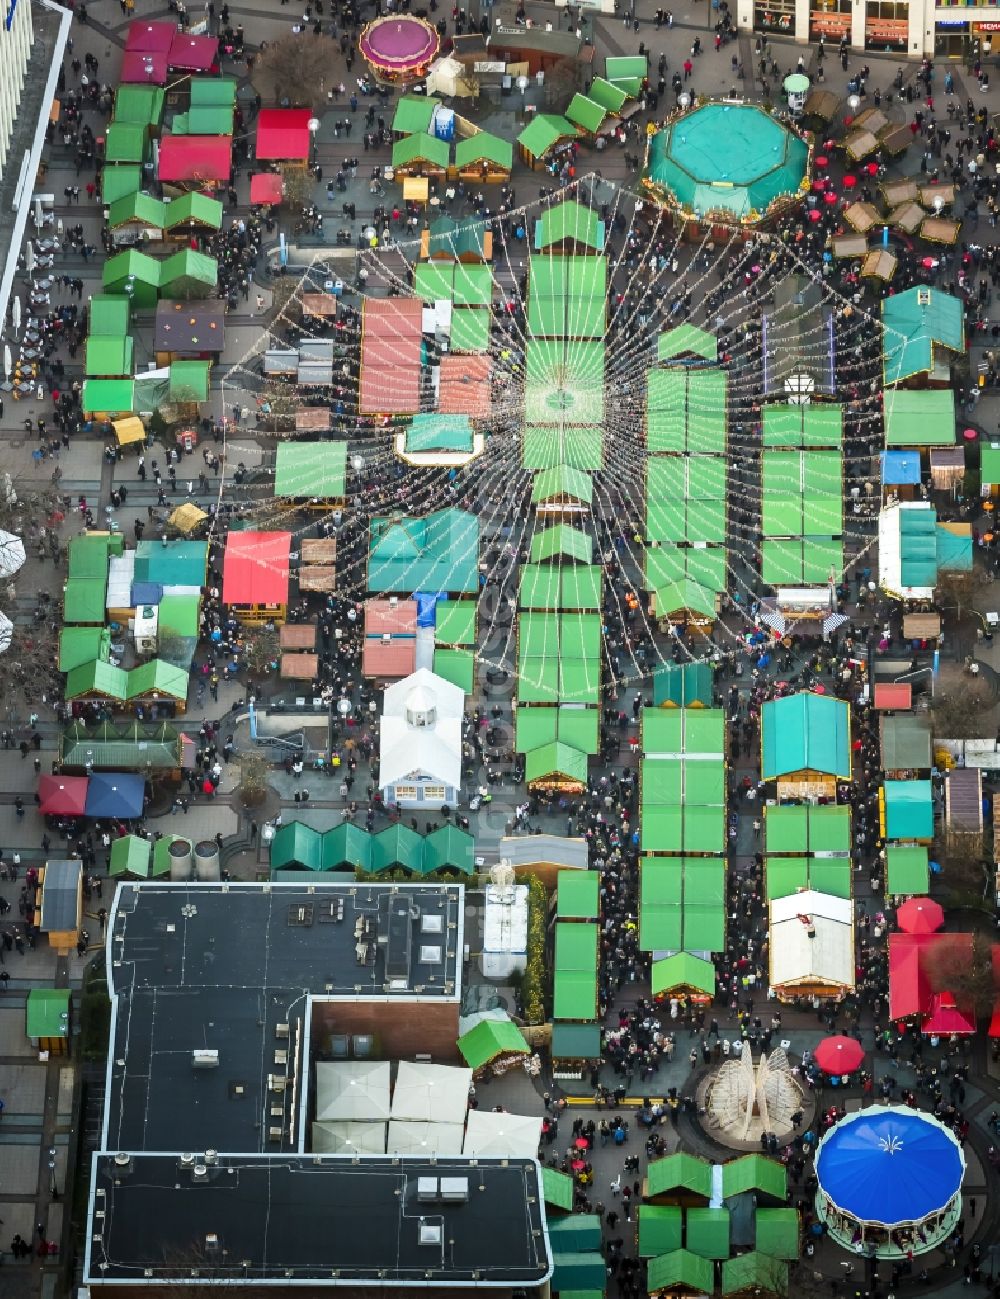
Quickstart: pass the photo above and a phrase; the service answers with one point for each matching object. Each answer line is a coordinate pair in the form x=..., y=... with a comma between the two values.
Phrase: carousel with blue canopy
x=890, y=1181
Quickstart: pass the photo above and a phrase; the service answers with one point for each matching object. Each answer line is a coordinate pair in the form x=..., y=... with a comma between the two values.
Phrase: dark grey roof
x=218, y=967
x=303, y=1219
x=60, y=893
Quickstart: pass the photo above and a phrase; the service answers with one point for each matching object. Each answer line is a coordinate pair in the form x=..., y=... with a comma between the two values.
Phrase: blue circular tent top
x=889, y=1166
x=731, y=159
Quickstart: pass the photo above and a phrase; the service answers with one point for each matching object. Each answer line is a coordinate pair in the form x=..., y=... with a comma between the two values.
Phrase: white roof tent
x=812, y=942
x=431, y=1093
x=353, y=1090
x=502, y=1135
x=348, y=1138
x=421, y=730
x=406, y=1138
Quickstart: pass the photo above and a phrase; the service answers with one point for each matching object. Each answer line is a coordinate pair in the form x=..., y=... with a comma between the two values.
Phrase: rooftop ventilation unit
x=431, y=923
x=431, y=1233
x=204, y=1059
x=923, y=297
x=455, y=1190
x=427, y=1188
x=431, y=955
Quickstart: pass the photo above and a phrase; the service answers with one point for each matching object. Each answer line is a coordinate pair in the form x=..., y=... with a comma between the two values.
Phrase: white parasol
x=15, y=313
x=7, y=362
x=6, y=633
x=11, y=554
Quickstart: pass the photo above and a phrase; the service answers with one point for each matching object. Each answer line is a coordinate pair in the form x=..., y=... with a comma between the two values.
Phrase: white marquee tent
x=499, y=1135
x=812, y=942
x=348, y=1138
x=356, y=1090
x=431, y=1093
x=407, y=1138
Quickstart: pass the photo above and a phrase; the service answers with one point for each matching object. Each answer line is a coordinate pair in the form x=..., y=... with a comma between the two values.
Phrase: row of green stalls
x=134, y=857
x=802, y=512
x=478, y=156
x=607, y=101
x=578, y=1265
x=717, y=1228
x=576, y=1039
x=455, y=643
x=686, y=477
x=300, y=847
x=682, y=826
x=461, y=297
x=808, y=846
x=183, y=386
x=151, y=593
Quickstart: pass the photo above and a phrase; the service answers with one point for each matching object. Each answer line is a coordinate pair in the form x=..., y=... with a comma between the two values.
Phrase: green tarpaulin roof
x=562, y=481
x=83, y=600
x=576, y=1042
x=705, y=565
x=626, y=66
x=194, y=208
x=564, y=381
x=142, y=105
x=414, y=114
x=111, y=395
x=708, y=1232
x=806, y=732
x=577, y=895
x=209, y=92
x=608, y=96
x=569, y=220
x=178, y=563
x=685, y=596
x=684, y=685
x=551, y=586
x=684, y=339
x=563, y=542
x=577, y=1271
x=778, y=1232
x=126, y=142
x=455, y=622
x=816, y=425
x=686, y=499
x=448, y=848
x=574, y=994
x=669, y=731
x=470, y=330
x=801, y=561
x=420, y=147
x=788, y=875
x=189, y=380
x=543, y=132
x=435, y=553
x=47, y=1012
x=161, y=854
x=915, y=324
x=489, y=1039
x=907, y=870
x=803, y=829
x=214, y=119
x=131, y=855
x=138, y=208
x=109, y=313
x=157, y=677
x=79, y=645
x=923, y=417
x=681, y=1267
x=397, y=845
x=905, y=742
x=119, y=180
x=316, y=470
x=802, y=494
x=555, y=759
x=126, y=746
x=586, y=114
x=451, y=239
x=679, y=1172
x=547, y=446
x=683, y=970
x=88, y=554
x=538, y=726
x=557, y=1188
x=580, y=1231
x=97, y=679
x=484, y=147
x=754, y=1273
x=659, y=1229
x=989, y=465
x=686, y=411
x=108, y=355
x=754, y=1173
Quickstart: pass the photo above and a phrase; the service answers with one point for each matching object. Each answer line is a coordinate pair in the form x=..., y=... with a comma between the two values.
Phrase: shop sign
x=830, y=24
x=986, y=27
x=886, y=29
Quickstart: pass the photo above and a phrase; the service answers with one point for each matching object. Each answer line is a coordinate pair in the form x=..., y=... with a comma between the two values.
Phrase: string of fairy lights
x=722, y=285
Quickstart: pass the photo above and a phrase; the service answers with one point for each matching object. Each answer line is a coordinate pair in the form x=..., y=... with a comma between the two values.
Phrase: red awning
x=945, y=1017
x=255, y=568
x=147, y=37
x=266, y=187
x=144, y=68
x=909, y=993
x=196, y=157
x=62, y=795
x=893, y=694
x=283, y=133
x=193, y=53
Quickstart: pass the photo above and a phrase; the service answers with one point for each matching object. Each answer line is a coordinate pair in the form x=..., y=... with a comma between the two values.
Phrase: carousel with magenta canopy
x=890, y=1182
x=399, y=49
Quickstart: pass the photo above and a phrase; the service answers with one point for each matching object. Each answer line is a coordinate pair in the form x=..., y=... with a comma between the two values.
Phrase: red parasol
x=814, y=214
x=839, y=1055
x=578, y=1165
x=872, y=169
x=829, y=196
x=970, y=435
x=819, y=184
x=581, y=1143
x=850, y=182
x=920, y=916
x=822, y=160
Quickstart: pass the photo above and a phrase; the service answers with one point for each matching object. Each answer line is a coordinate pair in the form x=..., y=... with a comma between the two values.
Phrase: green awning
x=470, y=330
x=923, y=417
x=574, y=994
x=569, y=220
x=420, y=148
x=83, y=600
x=803, y=830
x=126, y=142
x=161, y=854
x=555, y=760
x=345, y=845
x=194, y=208
x=47, y=1013
x=489, y=1040
x=457, y=666
x=297, y=846
x=188, y=381
x=679, y=1172
x=97, y=679
x=414, y=114
x=916, y=325
x=659, y=1229
x=685, y=597
x=484, y=147
x=708, y=1232
x=562, y=481
x=455, y=622
x=557, y=1189
x=806, y=732
x=543, y=132
x=448, y=848
x=117, y=181
x=680, y=1267
x=907, y=870
x=577, y=895
x=108, y=355
x=311, y=470
x=156, y=679
x=754, y=1173
x=683, y=970
x=437, y=432
x=109, y=314
x=546, y=446
x=578, y=1271
x=586, y=114
x=778, y=1233
x=79, y=645
x=397, y=845
x=683, y=685
x=137, y=209
x=141, y=105
x=685, y=340
x=578, y=1232
x=608, y=96
x=111, y=396
x=131, y=855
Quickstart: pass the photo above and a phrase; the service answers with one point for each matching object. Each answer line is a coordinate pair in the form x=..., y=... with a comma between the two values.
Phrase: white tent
x=890, y=552
x=431, y=1093
x=6, y=633
x=348, y=1138
x=812, y=941
x=421, y=732
x=447, y=77
x=352, y=1089
x=501, y=1135
x=11, y=554
x=424, y=1138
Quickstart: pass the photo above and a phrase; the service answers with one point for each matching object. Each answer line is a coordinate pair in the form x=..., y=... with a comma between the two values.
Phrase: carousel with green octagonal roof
x=726, y=164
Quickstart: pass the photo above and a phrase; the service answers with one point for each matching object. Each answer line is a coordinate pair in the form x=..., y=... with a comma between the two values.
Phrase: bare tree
x=254, y=771
x=297, y=72
x=967, y=866
x=953, y=593
x=298, y=185
x=969, y=979
x=560, y=84
x=963, y=713
x=260, y=651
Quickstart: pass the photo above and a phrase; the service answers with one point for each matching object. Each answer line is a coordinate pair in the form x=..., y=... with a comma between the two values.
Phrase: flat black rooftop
x=308, y=1218
x=222, y=967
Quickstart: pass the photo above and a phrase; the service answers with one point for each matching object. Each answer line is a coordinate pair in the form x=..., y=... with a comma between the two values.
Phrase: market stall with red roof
x=918, y=969
x=63, y=795
x=391, y=330
x=149, y=37
x=189, y=53
x=144, y=68
x=267, y=187
x=255, y=575
x=202, y=160
x=283, y=134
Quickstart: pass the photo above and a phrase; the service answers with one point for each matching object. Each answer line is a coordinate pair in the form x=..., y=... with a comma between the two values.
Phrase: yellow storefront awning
x=129, y=430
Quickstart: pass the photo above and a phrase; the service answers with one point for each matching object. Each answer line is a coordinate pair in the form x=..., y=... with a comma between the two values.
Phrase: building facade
x=16, y=36
x=915, y=28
